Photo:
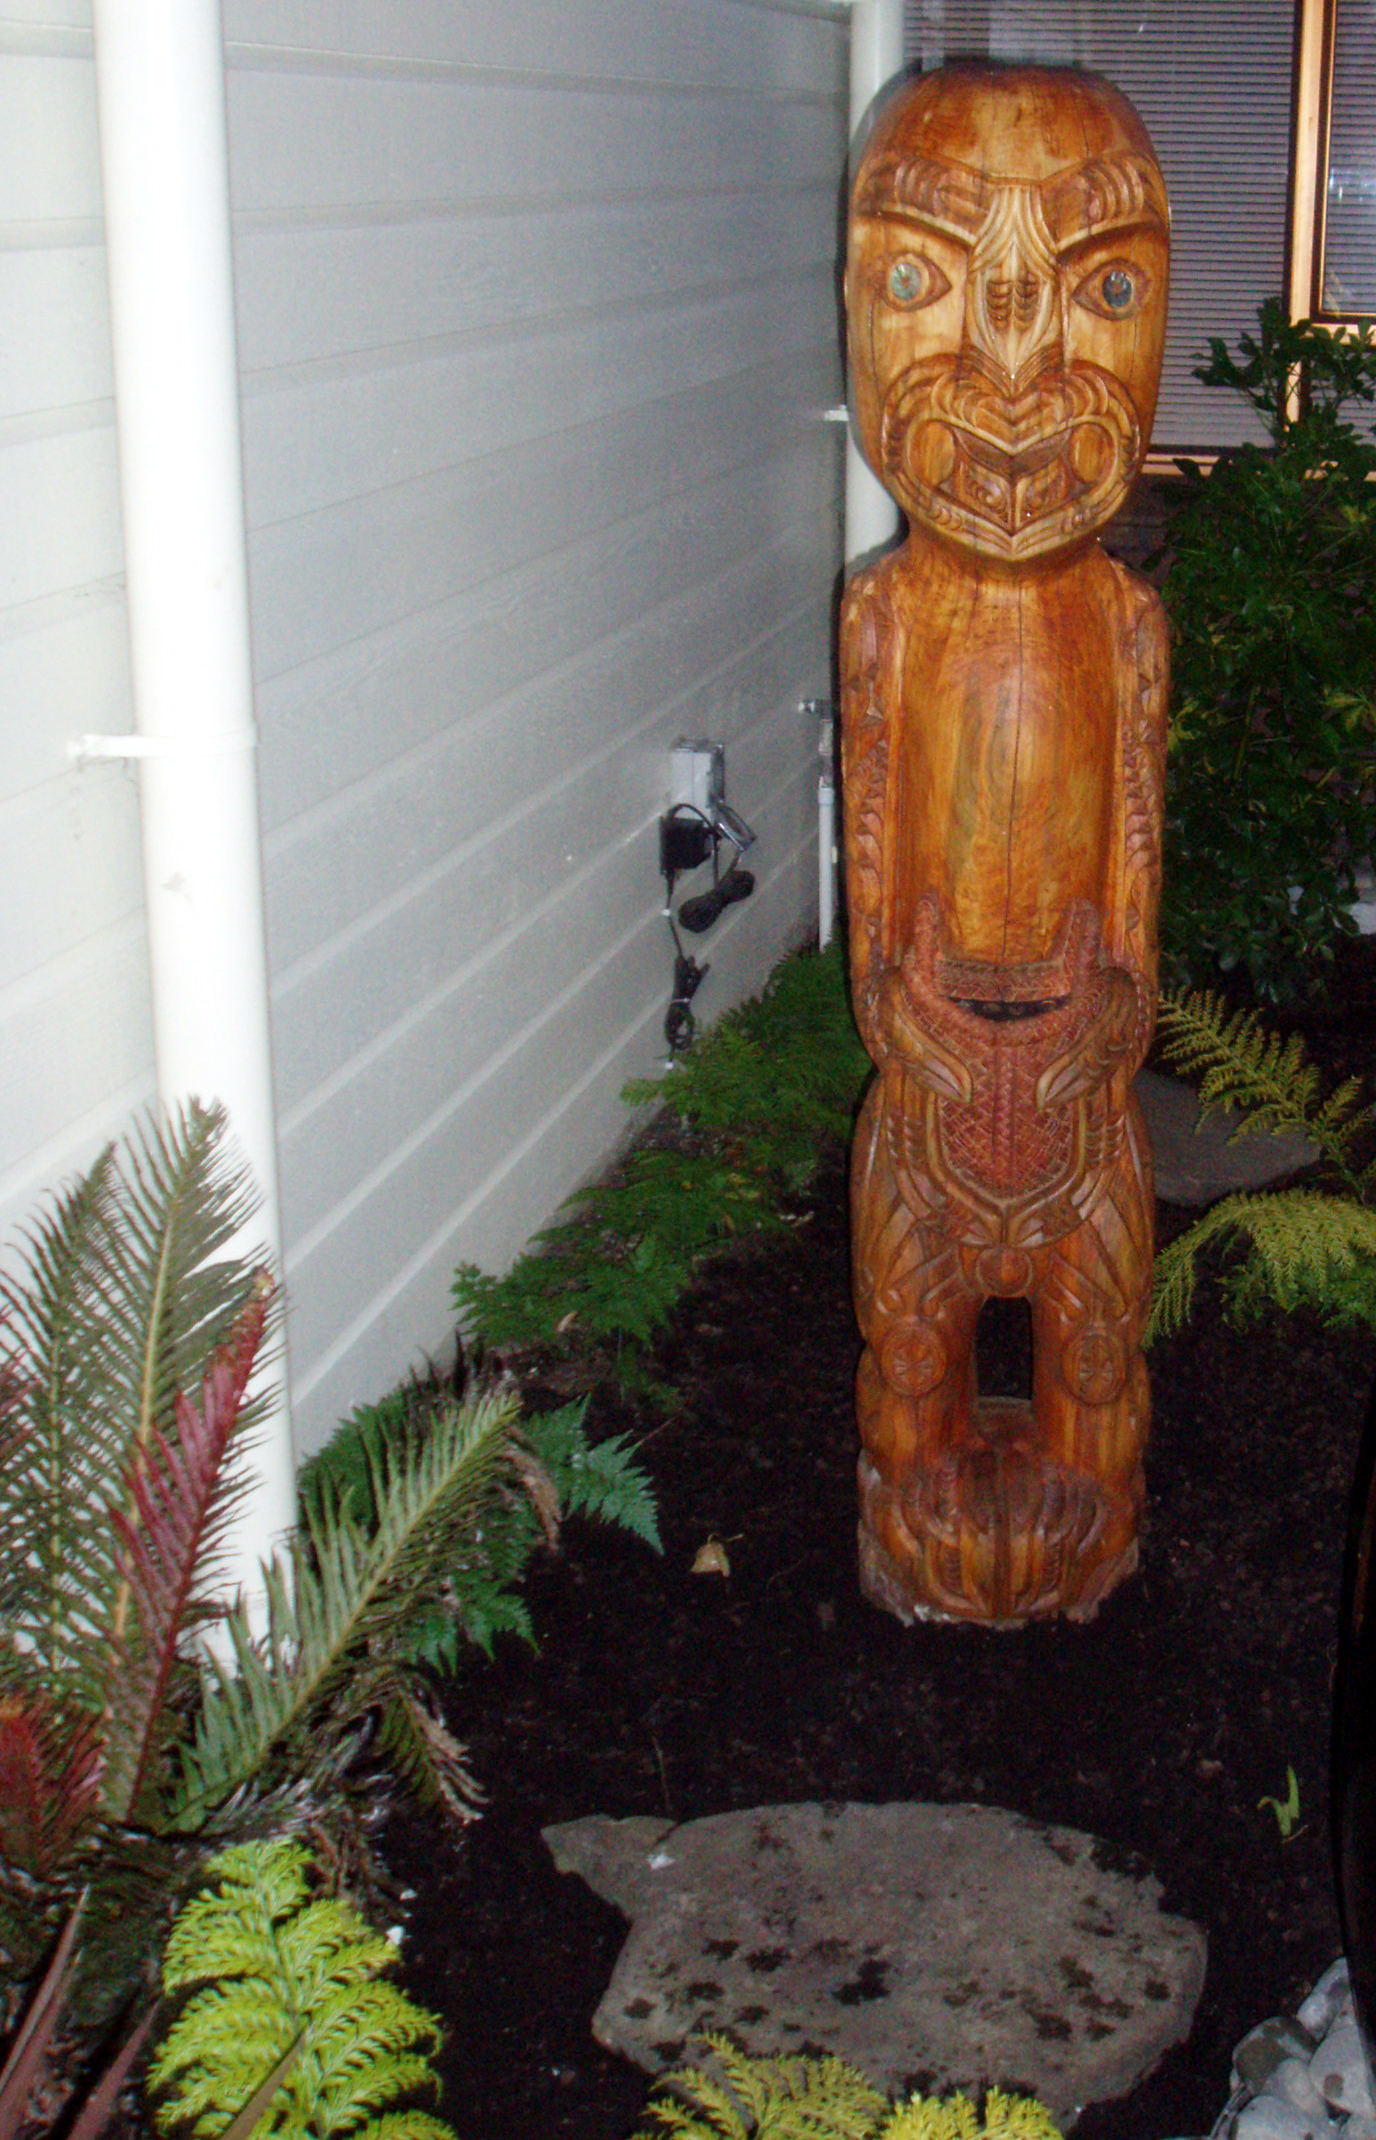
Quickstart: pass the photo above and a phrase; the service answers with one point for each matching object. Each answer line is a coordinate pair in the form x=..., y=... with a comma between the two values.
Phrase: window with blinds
x=1212, y=81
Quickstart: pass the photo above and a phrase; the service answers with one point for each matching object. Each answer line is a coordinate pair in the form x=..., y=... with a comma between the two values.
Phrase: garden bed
x=1159, y=1727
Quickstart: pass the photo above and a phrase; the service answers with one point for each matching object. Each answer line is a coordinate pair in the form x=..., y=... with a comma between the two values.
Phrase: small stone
x=1267, y=2118
x=1262, y=2049
x=1340, y=2073
x=1332, y=1992
x=1291, y=2082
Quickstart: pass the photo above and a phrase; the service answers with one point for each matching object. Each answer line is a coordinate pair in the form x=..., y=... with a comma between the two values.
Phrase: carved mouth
x=1016, y=474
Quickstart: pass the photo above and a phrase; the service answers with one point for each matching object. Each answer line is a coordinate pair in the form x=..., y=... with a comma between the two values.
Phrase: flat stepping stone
x=934, y=1947
x=1196, y=1165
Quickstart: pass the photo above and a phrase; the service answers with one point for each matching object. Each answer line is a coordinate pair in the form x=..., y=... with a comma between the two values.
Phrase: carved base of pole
x=995, y=1533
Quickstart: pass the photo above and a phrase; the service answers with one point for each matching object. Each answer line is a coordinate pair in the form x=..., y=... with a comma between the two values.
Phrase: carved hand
x=1103, y=1041
x=908, y=1038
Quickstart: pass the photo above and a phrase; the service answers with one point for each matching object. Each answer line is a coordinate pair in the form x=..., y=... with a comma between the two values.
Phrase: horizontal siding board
x=452, y=1038
x=557, y=1152
x=71, y=852
x=75, y=1022
x=61, y=526
x=54, y=329
x=316, y=438
x=303, y=294
x=49, y=149
x=345, y=999
x=327, y=873
x=446, y=1156
x=64, y=677
x=332, y=143
x=339, y=721
x=691, y=44
x=75, y=1054
x=412, y=546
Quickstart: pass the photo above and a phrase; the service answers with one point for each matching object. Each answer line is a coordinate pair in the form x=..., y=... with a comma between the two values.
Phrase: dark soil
x=1158, y=1727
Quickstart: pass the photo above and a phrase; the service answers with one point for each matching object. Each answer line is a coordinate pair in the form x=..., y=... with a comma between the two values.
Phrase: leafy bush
x=748, y=1113
x=1311, y=1246
x=479, y=1598
x=290, y=2005
x=1271, y=593
x=746, y=2098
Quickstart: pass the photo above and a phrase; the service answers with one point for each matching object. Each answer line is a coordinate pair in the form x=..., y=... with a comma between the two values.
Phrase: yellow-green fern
x=745, y=2098
x=273, y=1970
x=1311, y=1246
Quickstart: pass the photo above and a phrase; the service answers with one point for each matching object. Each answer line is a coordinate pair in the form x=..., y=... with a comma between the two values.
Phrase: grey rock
x=1195, y=1159
x=1263, y=2048
x=1291, y=2082
x=1331, y=1996
x=935, y=1947
x=1340, y=2072
x=1266, y=2117
x=1359, y=2128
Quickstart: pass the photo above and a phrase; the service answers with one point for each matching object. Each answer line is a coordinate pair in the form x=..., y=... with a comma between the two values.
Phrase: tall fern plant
x=1312, y=1245
x=129, y=1340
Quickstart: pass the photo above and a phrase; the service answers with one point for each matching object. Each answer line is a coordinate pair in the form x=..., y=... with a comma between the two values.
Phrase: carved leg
x=1089, y=1379
x=916, y=1382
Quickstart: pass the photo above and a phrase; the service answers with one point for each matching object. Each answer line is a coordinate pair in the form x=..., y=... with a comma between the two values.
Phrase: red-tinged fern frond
x=181, y=1495
x=51, y=1758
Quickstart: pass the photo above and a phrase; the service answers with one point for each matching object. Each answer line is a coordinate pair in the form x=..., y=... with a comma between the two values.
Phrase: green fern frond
x=1304, y=1249
x=270, y=1967
x=63, y=1455
x=739, y=2097
x=598, y=1479
x=766, y=2098
x=122, y=1295
x=1238, y=1062
x=338, y=1605
x=1005, y=2117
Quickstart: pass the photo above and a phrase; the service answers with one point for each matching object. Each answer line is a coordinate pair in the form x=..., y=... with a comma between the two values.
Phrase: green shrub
x=747, y=1115
x=1271, y=594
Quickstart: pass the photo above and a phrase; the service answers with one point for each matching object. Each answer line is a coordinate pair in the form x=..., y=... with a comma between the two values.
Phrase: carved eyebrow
x=1108, y=193
x=950, y=197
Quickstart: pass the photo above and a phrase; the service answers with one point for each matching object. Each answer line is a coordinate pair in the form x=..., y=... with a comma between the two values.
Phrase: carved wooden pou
x=1004, y=687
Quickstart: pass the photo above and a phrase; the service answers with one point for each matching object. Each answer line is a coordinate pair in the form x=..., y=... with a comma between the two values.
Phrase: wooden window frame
x=1315, y=42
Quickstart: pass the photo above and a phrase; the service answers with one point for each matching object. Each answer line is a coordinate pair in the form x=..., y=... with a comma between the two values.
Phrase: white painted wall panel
x=538, y=320
x=75, y=1032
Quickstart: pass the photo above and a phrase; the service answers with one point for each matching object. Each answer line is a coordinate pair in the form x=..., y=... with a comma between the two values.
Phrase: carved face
x=1006, y=297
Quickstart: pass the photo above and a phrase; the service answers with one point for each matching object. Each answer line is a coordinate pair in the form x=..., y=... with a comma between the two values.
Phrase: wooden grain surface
x=1004, y=708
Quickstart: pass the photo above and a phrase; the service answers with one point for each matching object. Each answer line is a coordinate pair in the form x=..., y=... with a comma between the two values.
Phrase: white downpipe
x=876, y=56
x=164, y=162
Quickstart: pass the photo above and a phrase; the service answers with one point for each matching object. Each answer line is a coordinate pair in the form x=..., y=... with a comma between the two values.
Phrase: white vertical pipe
x=876, y=56
x=165, y=166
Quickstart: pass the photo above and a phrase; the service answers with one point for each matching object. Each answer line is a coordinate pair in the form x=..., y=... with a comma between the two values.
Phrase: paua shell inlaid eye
x=915, y=281
x=1115, y=292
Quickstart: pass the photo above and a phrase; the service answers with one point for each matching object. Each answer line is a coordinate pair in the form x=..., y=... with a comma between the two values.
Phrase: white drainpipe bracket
x=84, y=750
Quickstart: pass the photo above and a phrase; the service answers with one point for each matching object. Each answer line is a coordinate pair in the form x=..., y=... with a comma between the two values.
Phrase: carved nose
x=1013, y=326
x=1012, y=302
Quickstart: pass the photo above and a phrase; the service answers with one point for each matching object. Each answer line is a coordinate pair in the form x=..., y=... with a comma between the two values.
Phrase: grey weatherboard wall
x=537, y=322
